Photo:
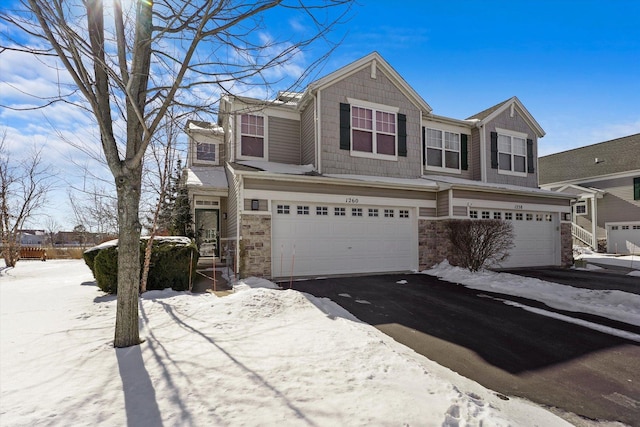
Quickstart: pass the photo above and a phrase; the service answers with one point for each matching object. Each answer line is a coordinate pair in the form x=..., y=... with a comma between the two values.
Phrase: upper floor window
x=636, y=188
x=252, y=135
x=443, y=149
x=372, y=130
x=512, y=153
x=206, y=151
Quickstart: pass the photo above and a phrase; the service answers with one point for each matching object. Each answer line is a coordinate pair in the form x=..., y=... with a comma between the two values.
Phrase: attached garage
x=325, y=239
x=623, y=237
x=536, y=236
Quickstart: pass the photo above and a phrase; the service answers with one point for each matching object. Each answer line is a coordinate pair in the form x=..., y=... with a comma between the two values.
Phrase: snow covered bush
x=170, y=263
x=477, y=244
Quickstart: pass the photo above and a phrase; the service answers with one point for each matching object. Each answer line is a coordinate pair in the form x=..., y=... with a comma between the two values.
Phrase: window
x=356, y=211
x=252, y=135
x=529, y=217
x=206, y=151
x=473, y=214
x=508, y=216
x=497, y=215
x=548, y=218
x=512, y=153
x=538, y=217
x=636, y=227
x=339, y=212
x=486, y=215
x=402, y=213
x=283, y=209
x=373, y=212
x=443, y=149
x=388, y=213
x=322, y=210
x=636, y=188
x=581, y=208
x=303, y=210
x=518, y=217
x=373, y=131
x=625, y=227
x=614, y=227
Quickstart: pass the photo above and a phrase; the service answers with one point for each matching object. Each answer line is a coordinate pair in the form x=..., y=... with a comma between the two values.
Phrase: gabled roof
x=582, y=164
x=491, y=113
x=380, y=63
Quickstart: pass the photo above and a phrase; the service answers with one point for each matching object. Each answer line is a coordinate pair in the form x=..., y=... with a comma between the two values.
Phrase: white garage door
x=536, y=240
x=536, y=237
x=623, y=238
x=322, y=239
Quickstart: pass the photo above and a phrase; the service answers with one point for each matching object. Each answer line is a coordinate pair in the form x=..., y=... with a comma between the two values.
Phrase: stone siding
x=566, y=245
x=433, y=243
x=255, y=246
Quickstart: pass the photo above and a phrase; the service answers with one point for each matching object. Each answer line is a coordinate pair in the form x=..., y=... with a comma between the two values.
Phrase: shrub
x=105, y=269
x=479, y=244
x=169, y=266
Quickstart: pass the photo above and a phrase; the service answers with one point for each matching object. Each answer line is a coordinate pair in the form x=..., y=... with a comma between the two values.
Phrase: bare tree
x=51, y=228
x=163, y=53
x=480, y=243
x=24, y=184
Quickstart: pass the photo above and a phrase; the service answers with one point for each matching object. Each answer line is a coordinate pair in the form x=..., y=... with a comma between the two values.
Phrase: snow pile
x=257, y=357
x=612, y=304
x=626, y=261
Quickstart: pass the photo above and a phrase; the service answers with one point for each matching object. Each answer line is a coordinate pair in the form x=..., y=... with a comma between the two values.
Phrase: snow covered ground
x=257, y=357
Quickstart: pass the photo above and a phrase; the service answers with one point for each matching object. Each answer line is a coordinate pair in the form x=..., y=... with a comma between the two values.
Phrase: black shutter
x=345, y=126
x=464, y=160
x=530, y=159
x=636, y=188
x=494, y=150
x=424, y=146
x=402, y=135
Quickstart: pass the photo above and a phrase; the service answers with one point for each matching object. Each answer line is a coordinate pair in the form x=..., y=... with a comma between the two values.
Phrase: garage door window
x=303, y=210
x=356, y=211
x=322, y=210
x=403, y=213
x=388, y=213
x=339, y=212
x=282, y=209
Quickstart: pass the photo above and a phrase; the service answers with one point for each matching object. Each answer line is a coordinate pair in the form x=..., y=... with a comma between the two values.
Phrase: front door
x=207, y=223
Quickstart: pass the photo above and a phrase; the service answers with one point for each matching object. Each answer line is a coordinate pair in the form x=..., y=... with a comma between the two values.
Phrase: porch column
x=594, y=223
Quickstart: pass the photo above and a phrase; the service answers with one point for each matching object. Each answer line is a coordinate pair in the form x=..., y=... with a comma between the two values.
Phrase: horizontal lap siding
x=443, y=203
x=284, y=140
x=308, y=148
x=499, y=197
x=322, y=188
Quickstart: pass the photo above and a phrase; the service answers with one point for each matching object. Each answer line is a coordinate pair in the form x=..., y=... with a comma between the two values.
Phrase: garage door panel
x=536, y=240
x=336, y=244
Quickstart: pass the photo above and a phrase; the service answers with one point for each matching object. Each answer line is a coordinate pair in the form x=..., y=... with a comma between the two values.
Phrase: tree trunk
x=127, y=333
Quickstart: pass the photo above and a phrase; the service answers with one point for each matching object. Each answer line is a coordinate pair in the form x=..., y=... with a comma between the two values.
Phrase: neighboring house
x=357, y=175
x=32, y=237
x=605, y=180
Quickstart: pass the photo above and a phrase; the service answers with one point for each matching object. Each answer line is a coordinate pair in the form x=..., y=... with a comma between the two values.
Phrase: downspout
x=318, y=131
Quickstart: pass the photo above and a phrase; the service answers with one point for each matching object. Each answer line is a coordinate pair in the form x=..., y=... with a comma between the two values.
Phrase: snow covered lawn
x=257, y=357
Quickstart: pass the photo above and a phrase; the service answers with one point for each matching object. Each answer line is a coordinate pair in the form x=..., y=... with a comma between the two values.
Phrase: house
x=356, y=174
x=605, y=180
x=32, y=237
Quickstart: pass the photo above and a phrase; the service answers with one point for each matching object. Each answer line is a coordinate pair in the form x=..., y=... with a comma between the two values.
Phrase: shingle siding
x=380, y=90
x=519, y=124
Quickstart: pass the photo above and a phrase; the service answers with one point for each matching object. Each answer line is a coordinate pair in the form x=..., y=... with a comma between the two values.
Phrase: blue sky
x=575, y=65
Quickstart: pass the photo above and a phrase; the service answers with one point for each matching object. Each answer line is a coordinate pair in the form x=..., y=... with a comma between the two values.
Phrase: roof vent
x=599, y=160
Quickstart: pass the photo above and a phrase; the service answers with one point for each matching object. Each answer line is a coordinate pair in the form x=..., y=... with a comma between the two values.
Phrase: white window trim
x=375, y=107
x=216, y=153
x=581, y=203
x=512, y=133
x=239, y=155
x=443, y=168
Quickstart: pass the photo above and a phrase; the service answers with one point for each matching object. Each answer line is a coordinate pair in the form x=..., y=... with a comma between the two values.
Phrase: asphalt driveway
x=505, y=348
